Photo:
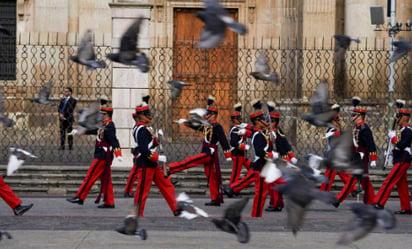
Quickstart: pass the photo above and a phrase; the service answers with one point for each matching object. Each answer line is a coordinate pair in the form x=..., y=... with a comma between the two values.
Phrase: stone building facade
x=289, y=22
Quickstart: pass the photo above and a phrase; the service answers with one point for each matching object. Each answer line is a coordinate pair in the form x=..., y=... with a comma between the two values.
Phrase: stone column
x=128, y=82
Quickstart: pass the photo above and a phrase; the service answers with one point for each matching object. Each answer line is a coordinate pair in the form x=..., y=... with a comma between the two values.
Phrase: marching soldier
x=213, y=135
x=261, y=144
x=106, y=145
x=401, y=139
x=284, y=149
x=146, y=161
x=331, y=135
x=238, y=145
x=364, y=149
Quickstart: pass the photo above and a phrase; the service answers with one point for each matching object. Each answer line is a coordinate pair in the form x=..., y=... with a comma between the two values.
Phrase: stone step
x=65, y=180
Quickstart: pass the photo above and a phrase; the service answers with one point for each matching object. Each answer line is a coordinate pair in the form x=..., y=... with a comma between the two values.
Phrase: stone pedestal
x=128, y=82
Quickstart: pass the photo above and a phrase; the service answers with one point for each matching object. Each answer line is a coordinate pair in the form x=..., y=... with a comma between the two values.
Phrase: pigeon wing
x=85, y=51
x=45, y=92
x=128, y=42
x=13, y=164
x=234, y=211
x=319, y=100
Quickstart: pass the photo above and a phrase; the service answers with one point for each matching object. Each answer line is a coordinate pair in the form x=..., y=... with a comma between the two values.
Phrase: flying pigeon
x=129, y=54
x=196, y=118
x=16, y=159
x=130, y=225
x=341, y=45
x=321, y=115
x=262, y=70
x=6, y=234
x=216, y=21
x=270, y=171
x=176, y=87
x=365, y=220
x=231, y=222
x=90, y=118
x=44, y=95
x=189, y=211
x=339, y=157
x=402, y=48
x=7, y=122
x=5, y=31
x=85, y=53
x=301, y=192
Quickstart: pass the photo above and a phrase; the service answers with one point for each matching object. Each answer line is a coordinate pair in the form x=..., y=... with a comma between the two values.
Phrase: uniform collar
x=214, y=121
x=107, y=121
x=141, y=123
x=361, y=123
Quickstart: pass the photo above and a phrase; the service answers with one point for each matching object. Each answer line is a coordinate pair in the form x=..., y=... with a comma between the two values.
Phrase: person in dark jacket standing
x=401, y=139
x=66, y=109
x=213, y=135
x=106, y=145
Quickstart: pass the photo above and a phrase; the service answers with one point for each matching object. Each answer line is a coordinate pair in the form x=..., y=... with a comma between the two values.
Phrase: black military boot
x=21, y=209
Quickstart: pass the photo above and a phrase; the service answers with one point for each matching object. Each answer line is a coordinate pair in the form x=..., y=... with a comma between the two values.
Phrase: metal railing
x=364, y=72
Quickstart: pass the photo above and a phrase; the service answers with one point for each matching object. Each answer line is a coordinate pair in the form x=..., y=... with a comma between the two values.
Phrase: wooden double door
x=208, y=71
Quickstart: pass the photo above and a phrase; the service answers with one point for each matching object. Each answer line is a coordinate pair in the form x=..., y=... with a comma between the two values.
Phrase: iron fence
x=221, y=72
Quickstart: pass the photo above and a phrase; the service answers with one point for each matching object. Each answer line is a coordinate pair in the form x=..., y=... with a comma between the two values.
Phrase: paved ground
x=55, y=223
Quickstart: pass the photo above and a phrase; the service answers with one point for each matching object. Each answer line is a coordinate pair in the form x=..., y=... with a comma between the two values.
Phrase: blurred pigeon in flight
x=321, y=115
x=402, y=48
x=342, y=43
x=301, y=192
x=365, y=220
x=189, y=211
x=270, y=171
x=176, y=87
x=262, y=70
x=231, y=222
x=216, y=21
x=44, y=95
x=5, y=31
x=129, y=53
x=16, y=159
x=339, y=157
x=196, y=118
x=7, y=122
x=6, y=234
x=85, y=53
x=90, y=118
x=130, y=225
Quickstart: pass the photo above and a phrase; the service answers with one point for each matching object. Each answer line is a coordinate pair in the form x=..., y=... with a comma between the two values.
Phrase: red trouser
x=145, y=178
x=330, y=175
x=196, y=160
x=7, y=194
x=398, y=176
x=369, y=194
x=237, y=163
x=95, y=171
x=248, y=179
x=261, y=191
x=131, y=180
x=276, y=198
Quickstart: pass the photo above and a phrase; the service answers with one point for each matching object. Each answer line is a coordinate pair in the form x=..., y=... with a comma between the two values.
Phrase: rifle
x=389, y=148
x=160, y=135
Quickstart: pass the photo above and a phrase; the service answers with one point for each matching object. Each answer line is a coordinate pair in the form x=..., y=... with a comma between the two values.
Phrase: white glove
x=329, y=134
x=160, y=133
x=73, y=132
x=162, y=159
x=243, y=125
x=275, y=155
x=372, y=164
x=361, y=154
x=294, y=160
x=229, y=159
x=181, y=120
x=241, y=132
x=212, y=151
x=119, y=159
x=391, y=133
x=247, y=146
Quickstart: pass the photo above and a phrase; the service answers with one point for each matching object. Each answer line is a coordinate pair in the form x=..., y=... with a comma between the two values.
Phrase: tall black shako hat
x=336, y=107
x=356, y=110
x=144, y=107
x=400, y=103
x=210, y=109
x=237, y=114
x=258, y=113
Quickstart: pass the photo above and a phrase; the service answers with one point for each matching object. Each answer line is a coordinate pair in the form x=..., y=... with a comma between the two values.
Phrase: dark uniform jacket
x=402, y=145
x=261, y=146
x=237, y=142
x=363, y=142
x=145, y=143
x=106, y=140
